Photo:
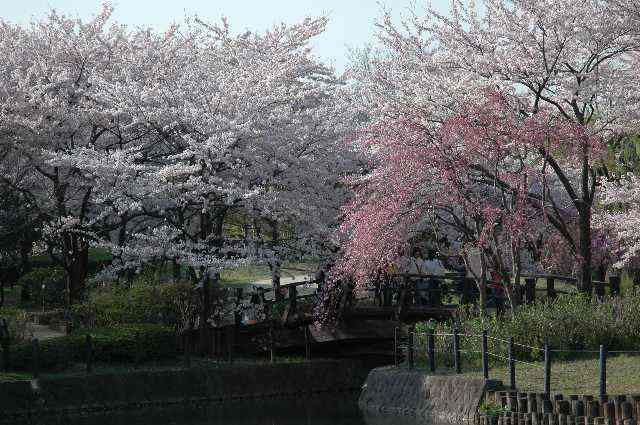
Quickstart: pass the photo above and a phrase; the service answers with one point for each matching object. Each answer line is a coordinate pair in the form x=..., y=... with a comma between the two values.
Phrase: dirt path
x=42, y=332
x=284, y=279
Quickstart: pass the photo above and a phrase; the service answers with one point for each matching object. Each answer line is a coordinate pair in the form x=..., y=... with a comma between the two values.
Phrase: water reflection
x=342, y=410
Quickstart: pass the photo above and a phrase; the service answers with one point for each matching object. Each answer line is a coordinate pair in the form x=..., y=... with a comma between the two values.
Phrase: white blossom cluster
x=150, y=144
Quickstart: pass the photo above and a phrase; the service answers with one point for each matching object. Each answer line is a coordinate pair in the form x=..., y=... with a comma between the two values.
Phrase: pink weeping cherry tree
x=501, y=115
x=471, y=174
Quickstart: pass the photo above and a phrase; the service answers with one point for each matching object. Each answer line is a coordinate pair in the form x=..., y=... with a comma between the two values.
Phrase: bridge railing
x=527, y=291
x=403, y=292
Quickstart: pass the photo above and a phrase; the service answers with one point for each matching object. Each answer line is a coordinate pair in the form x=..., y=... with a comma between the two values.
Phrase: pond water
x=341, y=410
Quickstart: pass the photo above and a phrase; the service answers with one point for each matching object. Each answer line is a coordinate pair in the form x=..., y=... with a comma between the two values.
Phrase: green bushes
x=98, y=258
x=570, y=324
x=170, y=304
x=18, y=324
x=52, y=278
x=126, y=344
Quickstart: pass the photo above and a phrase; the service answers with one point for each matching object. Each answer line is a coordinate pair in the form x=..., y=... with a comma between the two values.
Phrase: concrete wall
x=405, y=392
x=146, y=388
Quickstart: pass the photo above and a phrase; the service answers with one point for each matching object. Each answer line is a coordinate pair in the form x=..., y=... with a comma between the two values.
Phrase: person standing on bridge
x=414, y=265
x=425, y=285
x=434, y=268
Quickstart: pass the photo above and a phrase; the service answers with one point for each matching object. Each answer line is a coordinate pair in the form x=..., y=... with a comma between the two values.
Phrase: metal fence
x=406, y=350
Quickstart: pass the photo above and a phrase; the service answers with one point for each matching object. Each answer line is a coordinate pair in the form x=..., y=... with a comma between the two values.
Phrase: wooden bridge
x=368, y=316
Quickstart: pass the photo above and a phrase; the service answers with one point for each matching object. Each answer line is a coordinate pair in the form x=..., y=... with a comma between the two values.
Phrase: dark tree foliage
x=19, y=229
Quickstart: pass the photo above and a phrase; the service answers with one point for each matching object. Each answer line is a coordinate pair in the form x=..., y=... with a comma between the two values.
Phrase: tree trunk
x=275, y=263
x=516, y=271
x=175, y=270
x=25, y=251
x=206, y=299
x=77, y=268
x=585, y=279
x=584, y=212
x=205, y=313
x=482, y=285
x=275, y=279
x=601, y=273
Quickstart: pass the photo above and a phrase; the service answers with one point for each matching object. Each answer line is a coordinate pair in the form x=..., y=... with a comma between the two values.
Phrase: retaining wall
x=539, y=409
x=409, y=392
x=91, y=393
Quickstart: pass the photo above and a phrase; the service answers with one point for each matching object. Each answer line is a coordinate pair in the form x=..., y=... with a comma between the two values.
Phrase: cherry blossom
x=535, y=88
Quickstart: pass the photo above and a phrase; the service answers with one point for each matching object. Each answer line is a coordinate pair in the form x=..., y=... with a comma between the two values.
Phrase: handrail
x=429, y=276
x=292, y=284
x=296, y=269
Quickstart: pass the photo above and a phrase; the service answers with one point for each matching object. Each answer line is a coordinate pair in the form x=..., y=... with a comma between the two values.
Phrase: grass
x=96, y=255
x=626, y=285
x=11, y=296
x=252, y=273
x=567, y=377
x=14, y=376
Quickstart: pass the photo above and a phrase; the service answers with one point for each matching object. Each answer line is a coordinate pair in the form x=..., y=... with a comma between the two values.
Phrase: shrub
x=491, y=409
x=125, y=344
x=170, y=304
x=98, y=259
x=570, y=324
x=18, y=324
x=52, y=278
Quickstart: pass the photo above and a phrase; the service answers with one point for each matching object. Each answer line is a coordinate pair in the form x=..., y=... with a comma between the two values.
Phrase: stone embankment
x=104, y=392
x=414, y=393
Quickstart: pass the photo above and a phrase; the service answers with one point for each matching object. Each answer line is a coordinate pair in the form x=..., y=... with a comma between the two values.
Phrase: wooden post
x=272, y=343
x=530, y=290
x=456, y=351
x=467, y=284
x=609, y=411
x=547, y=370
x=551, y=287
x=435, y=294
x=230, y=343
x=512, y=366
x=138, y=350
x=599, y=289
x=412, y=330
x=186, y=347
x=431, y=350
x=307, y=344
x=386, y=294
x=485, y=355
x=5, y=355
x=603, y=372
x=396, y=360
x=36, y=358
x=517, y=293
x=458, y=287
x=293, y=299
x=614, y=282
x=88, y=353
x=6, y=344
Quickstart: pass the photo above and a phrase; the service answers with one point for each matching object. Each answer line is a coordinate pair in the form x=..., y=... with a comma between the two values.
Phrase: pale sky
x=352, y=21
